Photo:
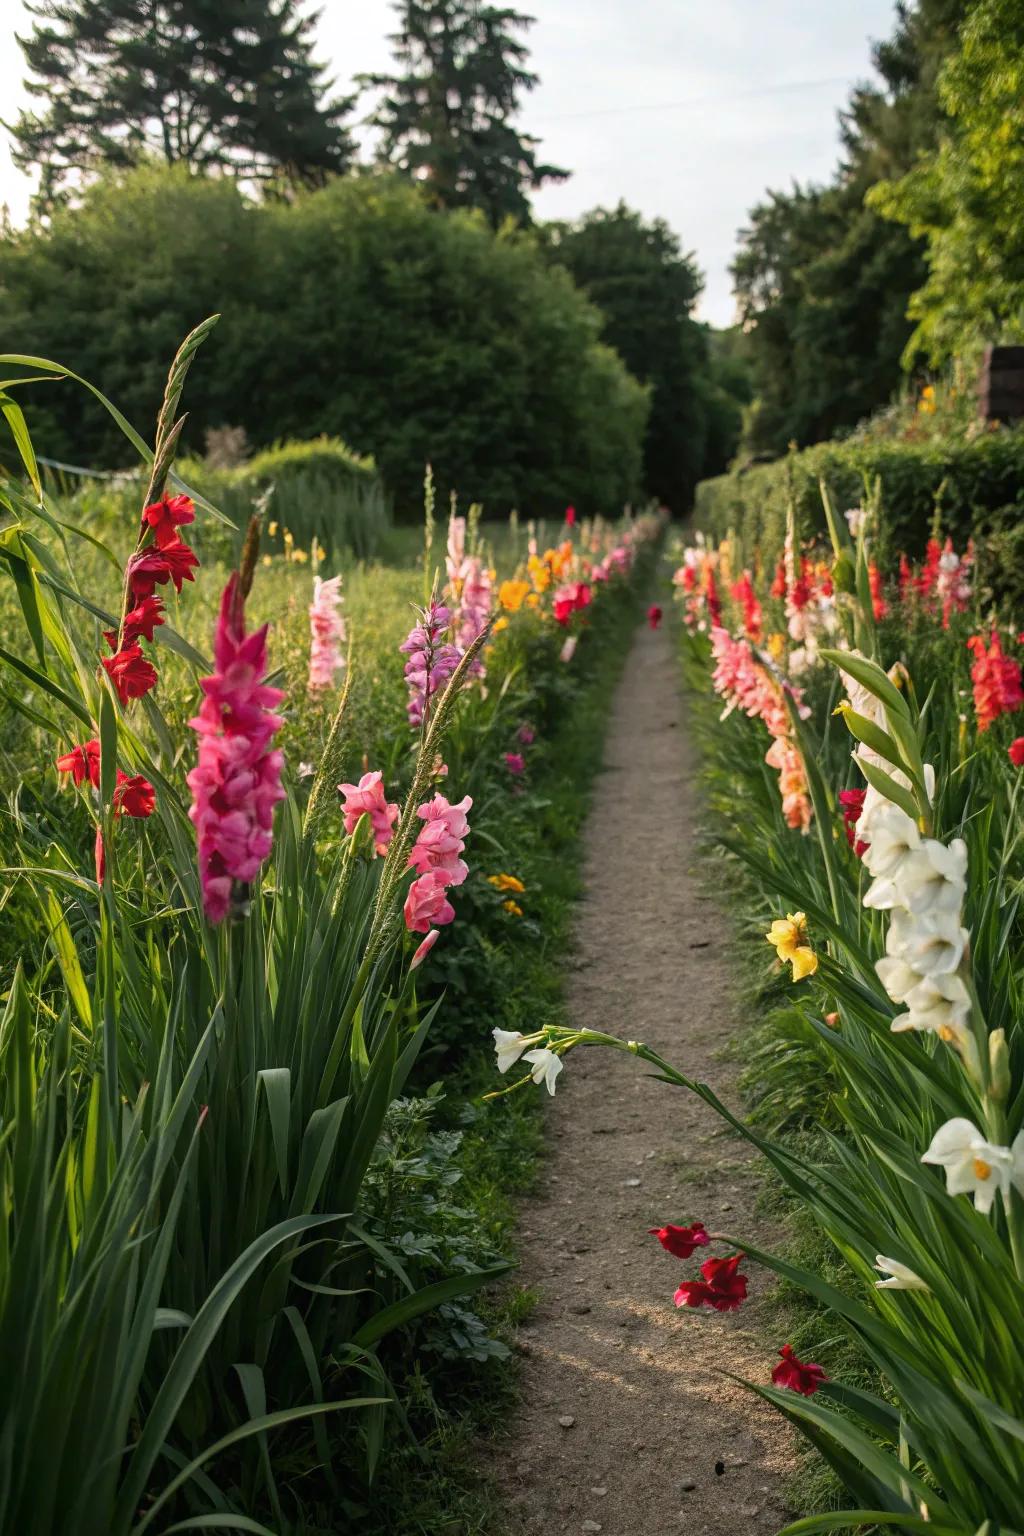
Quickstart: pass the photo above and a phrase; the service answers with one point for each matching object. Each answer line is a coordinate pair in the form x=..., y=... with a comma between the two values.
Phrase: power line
x=698, y=101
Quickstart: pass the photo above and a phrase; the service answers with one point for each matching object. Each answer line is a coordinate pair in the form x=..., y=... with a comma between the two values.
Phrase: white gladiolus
x=897, y=1276
x=934, y=878
x=939, y=1004
x=892, y=836
x=546, y=1067
x=510, y=1045
x=931, y=945
x=975, y=1166
x=897, y=977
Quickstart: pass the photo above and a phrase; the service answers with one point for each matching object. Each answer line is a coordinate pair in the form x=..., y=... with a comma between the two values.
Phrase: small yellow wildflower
x=789, y=935
x=506, y=883
x=533, y=600
x=512, y=908
x=300, y=556
x=499, y=624
x=271, y=529
x=512, y=594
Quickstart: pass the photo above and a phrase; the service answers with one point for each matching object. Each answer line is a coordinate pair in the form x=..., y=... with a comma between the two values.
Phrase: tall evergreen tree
x=822, y=280
x=221, y=85
x=447, y=110
x=646, y=287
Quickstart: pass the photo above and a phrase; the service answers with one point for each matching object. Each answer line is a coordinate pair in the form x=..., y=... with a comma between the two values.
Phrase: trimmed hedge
x=977, y=488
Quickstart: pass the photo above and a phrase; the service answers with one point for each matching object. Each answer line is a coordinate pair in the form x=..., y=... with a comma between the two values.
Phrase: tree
x=219, y=85
x=446, y=115
x=822, y=280
x=964, y=200
x=646, y=288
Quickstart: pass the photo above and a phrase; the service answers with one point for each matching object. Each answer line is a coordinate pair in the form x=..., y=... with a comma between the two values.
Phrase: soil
x=627, y=1424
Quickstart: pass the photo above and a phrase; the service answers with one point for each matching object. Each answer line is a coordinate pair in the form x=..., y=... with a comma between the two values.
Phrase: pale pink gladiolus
x=441, y=840
x=424, y=949
x=455, y=559
x=745, y=683
x=426, y=905
x=474, y=609
x=568, y=650
x=237, y=780
x=327, y=633
x=367, y=799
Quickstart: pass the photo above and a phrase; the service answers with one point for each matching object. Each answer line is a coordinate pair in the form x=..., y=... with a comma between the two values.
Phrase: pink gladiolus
x=237, y=780
x=526, y=735
x=426, y=905
x=441, y=840
x=515, y=763
x=455, y=559
x=745, y=683
x=367, y=799
x=431, y=660
x=474, y=609
x=327, y=633
x=423, y=950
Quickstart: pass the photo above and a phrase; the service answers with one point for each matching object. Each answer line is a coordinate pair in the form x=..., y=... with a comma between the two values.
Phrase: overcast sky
x=688, y=109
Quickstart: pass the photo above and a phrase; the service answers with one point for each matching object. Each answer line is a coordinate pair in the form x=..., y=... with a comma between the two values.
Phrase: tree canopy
x=228, y=85
x=446, y=114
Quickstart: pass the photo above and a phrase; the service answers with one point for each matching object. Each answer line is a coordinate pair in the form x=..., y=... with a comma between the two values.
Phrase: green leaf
x=426, y=1300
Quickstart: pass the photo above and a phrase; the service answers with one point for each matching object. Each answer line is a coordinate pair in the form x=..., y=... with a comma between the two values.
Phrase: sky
x=688, y=109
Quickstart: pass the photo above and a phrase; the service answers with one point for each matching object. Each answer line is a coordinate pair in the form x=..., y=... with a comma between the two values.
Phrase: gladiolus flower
x=1015, y=751
x=722, y=1287
x=237, y=780
x=681, y=1241
x=441, y=841
x=897, y=1276
x=367, y=799
x=546, y=1067
x=568, y=650
x=975, y=1166
x=515, y=763
x=82, y=763
x=134, y=796
x=509, y=1045
x=852, y=802
x=423, y=950
x=526, y=735
x=789, y=935
x=327, y=633
x=426, y=905
x=431, y=660
x=653, y=616
x=132, y=675
x=797, y=1375
x=155, y=566
x=570, y=516
x=138, y=623
x=996, y=679
x=167, y=515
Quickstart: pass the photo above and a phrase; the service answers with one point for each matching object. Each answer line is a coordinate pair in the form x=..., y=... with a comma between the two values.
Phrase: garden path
x=627, y=1425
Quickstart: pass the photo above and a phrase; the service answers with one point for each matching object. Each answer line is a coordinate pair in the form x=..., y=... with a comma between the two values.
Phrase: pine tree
x=221, y=85
x=446, y=116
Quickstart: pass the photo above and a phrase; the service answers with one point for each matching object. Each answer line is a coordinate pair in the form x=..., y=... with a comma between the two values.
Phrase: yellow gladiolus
x=789, y=935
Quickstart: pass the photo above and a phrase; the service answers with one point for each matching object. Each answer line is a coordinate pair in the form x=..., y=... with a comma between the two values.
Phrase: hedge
x=977, y=488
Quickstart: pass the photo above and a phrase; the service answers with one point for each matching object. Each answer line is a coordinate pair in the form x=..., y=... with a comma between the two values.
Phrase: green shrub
x=354, y=311
x=977, y=488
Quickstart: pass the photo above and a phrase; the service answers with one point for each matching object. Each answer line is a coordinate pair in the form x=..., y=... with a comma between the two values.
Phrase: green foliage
x=964, y=199
x=446, y=116
x=974, y=486
x=352, y=311
x=822, y=280
x=646, y=288
x=231, y=87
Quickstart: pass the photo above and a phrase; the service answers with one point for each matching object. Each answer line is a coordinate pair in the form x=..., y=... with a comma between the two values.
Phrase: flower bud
x=998, y=1066
x=843, y=573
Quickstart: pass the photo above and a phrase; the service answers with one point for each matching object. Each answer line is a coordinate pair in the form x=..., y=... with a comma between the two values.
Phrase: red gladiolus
x=99, y=857
x=1015, y=751
x=654, y=616
x=570, y=599
x=681, y=1241
x=570, y=516
x=852, y=802
x=166, y=516
x=82, y=763
x=721, y=1287
x=996, y=679
x=905, y=578
x=134, y=796
x=797, y=1375
x=141, y=621
x=778, y=586
x=879, y=606
x=174, y=562
x=928, y=579
x=712, y=598
x=130, y=672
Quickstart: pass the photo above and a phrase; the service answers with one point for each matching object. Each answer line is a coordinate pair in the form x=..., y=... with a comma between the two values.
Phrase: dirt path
x=627, y=1425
